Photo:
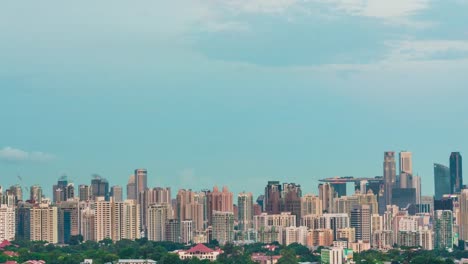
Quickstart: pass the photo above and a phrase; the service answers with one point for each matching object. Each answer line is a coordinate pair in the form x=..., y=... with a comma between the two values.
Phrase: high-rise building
x=125, y=220
x=35, y=194
x=222, y=201
x=99, y=188
x=102, y=219
x=131, y=188
x=442, y=181
x=272, y=198
x=83, y=191
x=158, y=215
x=186, y=231
x=223, y=227
x=141, y=178
x=116, y=193
x=88, y=222
x=326, y=195
x=44, y=223
x=23, y=221
x=361, y=221
x=463, y=220
x=68, y=221
x=311, y=204
x=456, y=175
x=173, y=231
x=61, y=191
x=389, y=173
x=443, y=229
x=17, y=192
x=245, y=215
x=7, y=223
x=291, y=200
x=406, y=164
x=417, y=188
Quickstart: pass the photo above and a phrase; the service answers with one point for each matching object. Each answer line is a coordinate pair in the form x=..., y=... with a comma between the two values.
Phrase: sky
x=229, y=92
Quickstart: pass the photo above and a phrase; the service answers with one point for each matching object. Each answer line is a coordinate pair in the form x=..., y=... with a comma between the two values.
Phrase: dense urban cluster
x=383, y=215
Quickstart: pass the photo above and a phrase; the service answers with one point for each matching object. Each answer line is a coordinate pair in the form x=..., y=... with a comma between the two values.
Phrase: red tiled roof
x=5, y=243
x=200, y=248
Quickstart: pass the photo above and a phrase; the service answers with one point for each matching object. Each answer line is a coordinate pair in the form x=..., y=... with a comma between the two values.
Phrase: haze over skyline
x=229, y=93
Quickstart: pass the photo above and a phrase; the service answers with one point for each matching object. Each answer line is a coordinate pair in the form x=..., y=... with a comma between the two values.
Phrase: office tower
x=272, y=198
x=102, y=219
x=186, y=231
x=456, y=175
x=403, y=197
x=141, y=177
x=442, y=182
x=417, y=188
x=23, y=221
x=326, y=195
x=463, y=221
x=7, y=223
x=88, y=224
x=223, y=227
x=443, y=229
x=406, y=180
x=99, y=188
x=245, y=215
x=158, y=215
x=361, y=221
x=116, y=193
x=131, y=188
x=173, y=231
x=83, y=191
x=389, y=173
x=406, y=164
x=44, y=223
x=35, y=194
x=311, y=204
x=291, y=200
x=125, y=220
x=68, y=221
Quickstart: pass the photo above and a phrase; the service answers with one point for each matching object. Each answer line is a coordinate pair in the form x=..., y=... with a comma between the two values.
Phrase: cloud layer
x=17, y=155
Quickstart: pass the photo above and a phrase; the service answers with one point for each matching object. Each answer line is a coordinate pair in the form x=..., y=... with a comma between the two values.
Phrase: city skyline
x=312, y=189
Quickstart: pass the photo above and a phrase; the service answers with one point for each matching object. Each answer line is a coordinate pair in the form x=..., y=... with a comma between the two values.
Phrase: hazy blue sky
x=229, y=92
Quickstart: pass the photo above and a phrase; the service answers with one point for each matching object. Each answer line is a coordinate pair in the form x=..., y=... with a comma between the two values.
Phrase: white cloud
x=13, y=154
x=261, y=6
x=427, y=50
x=381, y=8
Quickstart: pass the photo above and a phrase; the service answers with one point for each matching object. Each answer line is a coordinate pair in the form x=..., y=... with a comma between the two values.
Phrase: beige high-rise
x=7, y=223
x=125, y=220
x=158, y=215
x=463, y=221
x=406, y=163
x=103, y=219
x=44, y=225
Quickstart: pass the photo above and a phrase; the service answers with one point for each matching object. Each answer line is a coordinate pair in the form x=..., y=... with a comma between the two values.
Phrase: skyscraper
x=131, y=188
x=23, y=221
x=116, y=193
x=60, y=190
x=102, y=219
x=406, y=164
x=99, y=188
x=245, y=215
x=442, y=183
x=417, y=186
x=389, y=173
x=68, y=221
x=361, y=221
x=44, y=223
x=88, y=222
x=158, y=215
x=272, y=199
x=291, y=200
x=463, y=221
x=83, y=192
x=141, y=176
x=443, y=229
x=456, y=175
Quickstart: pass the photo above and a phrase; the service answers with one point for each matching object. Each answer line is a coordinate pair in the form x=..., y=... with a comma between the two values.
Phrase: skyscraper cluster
x=382, y=212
